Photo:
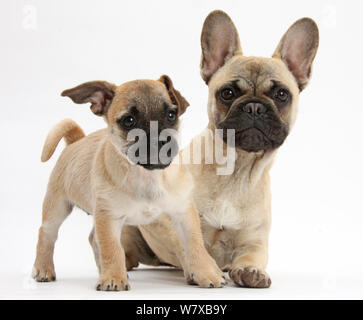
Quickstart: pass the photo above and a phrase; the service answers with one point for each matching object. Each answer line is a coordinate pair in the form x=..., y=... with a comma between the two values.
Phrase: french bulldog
x=258, y=98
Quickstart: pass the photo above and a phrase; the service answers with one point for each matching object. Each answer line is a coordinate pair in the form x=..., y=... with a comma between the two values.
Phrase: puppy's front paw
x=250, y=277
x=209, y=276
x=206, y=280
x=44, y=274
x=112, y=283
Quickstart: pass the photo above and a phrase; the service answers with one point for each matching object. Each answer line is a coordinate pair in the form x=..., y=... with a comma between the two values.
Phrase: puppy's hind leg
x=136, y=249
x=55, y=211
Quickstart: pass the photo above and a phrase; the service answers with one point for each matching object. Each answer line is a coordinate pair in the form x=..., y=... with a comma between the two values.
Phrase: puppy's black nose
x=254, y=108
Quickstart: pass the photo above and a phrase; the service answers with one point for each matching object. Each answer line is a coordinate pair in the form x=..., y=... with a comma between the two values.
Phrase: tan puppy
x=99, y=174
x=258, y=98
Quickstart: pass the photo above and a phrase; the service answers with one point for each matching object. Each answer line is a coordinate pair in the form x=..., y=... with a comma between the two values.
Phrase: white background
x=48, y=46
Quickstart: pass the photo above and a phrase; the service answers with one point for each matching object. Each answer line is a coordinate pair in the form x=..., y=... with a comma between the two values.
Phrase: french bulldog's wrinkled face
x=257, y=97
x=142, y=117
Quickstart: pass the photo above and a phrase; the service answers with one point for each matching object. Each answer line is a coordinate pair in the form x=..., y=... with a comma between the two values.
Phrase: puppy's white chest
x=148, y=197
x=144, y=214
x=148, y=186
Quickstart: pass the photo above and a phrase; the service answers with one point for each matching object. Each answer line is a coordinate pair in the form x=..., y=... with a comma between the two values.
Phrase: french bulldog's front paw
x=112, y=283
x=43, y=274
x=250, y=277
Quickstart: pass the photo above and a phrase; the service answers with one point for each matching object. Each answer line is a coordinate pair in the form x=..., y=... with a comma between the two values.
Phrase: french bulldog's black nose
x=254, y=108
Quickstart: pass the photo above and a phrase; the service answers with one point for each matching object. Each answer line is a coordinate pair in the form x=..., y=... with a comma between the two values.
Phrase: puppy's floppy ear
x=99, y=93
x=298, y=48
x=220, y=42
x=174, y=94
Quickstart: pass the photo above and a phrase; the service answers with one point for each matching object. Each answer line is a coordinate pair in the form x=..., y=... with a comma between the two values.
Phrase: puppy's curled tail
x=67, y=129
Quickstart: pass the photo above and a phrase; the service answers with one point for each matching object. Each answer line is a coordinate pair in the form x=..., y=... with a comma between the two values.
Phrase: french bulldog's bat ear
x=174, y=94
x=99, y=93
x=220, y=42
x=298, y=48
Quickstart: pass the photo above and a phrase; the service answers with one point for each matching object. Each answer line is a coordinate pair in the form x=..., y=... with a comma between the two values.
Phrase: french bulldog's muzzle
x=256, y=124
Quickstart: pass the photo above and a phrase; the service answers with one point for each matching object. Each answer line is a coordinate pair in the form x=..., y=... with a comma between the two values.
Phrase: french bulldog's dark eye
x=281, y=95
x=227, y=94
x=172, y=116
x=128, y=122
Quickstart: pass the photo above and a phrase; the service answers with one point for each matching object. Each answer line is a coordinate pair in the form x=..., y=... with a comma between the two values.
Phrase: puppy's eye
x=281, y=95
x=227, y=94
x=128, y=122
x=172, y=116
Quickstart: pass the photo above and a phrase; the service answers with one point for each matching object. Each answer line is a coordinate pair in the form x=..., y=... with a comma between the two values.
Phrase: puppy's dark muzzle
x=154, y=166
x=154, y=154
